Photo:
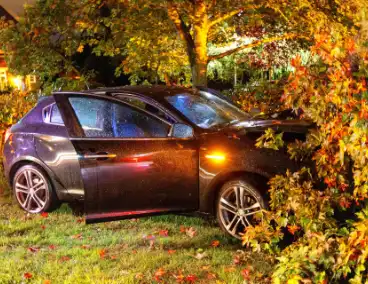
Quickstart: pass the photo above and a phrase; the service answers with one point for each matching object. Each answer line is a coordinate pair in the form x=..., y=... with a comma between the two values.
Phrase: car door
x=130, y=165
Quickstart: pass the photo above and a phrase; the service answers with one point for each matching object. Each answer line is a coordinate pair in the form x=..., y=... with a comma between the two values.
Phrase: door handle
x=100, y=156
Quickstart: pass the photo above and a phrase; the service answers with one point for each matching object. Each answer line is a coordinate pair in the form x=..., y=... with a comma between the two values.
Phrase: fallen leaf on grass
x=179, y=277
x=211, y=276
x=215, y=243
x=200, y=255
x=163, y=233
x=85, y=246
x=45, y=214
x=33, y=249
x=80, y=220
x=191, y=278
x=77, y=237
x=205, y=267
x=65, y=258
x=159, y=274
x=237, y=260
x=43, y=227
x=27, y=275
x=46, y=281
x=139, y=276
x=245, y=273
x=102, y=253
x=52, y=247
x=191, y=232
x=171, y=251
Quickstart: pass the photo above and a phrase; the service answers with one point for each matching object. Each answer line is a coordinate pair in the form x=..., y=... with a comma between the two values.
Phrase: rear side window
x=105, y=118
x=55, y=115
x=51, y=114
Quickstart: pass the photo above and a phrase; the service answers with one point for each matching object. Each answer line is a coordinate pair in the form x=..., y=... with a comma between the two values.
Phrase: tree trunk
x=199, y=73
x=200, y=37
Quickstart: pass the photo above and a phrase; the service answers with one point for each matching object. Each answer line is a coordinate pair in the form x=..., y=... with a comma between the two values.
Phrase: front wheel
x=33, y=191
x=237, y=204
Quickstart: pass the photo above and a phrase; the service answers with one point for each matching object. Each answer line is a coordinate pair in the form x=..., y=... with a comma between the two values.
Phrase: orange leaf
x=215, y=243
x=159, y=274
x=139, y=275
x=65, y=258
x=211, y=276
x=171, y=251
x=102, y=253
x=292, y=229
x=163, y=233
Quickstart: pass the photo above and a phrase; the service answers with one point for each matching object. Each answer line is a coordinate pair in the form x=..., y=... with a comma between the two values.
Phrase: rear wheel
x=238, y=203
x=33, y=191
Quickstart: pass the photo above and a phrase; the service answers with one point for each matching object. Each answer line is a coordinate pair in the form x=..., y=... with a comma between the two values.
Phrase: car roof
x=157, y=92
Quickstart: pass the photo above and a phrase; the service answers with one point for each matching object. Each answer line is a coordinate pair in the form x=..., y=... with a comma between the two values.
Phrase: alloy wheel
x=31, y=190
x=237, y=207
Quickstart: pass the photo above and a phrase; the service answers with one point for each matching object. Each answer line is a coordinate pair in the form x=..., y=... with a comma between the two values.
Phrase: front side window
x=147, y=107
x=104, y=118
x=206, y=110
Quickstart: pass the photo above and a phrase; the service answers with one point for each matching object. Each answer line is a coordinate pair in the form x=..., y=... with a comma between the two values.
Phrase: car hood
x=257, y=125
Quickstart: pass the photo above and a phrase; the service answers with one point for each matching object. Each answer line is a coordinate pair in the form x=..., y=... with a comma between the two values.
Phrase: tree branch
x=182, y=29
x=254, y=44
x=224, y=17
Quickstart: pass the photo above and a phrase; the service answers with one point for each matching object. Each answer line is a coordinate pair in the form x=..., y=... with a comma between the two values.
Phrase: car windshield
x=206, y=110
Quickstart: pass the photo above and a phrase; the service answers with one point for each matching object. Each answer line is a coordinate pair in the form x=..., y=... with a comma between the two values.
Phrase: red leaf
x=245, y=273
x=215, y=243
x=52, y=247
x=80, y=220
x=43, y=227
x=191, y=278
x=237, y=260
x=33, y=249
x=182, y=229
x=171, y=251
x=45, y=214
x=27, y=275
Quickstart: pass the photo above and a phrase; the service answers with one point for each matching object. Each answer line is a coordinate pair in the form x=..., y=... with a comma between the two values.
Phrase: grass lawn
x=60, y=248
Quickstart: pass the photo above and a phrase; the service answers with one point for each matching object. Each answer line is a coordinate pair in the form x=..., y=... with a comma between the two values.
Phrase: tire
x=33, y=191
x=235, y=214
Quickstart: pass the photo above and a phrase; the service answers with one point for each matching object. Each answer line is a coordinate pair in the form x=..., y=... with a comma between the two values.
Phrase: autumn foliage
x=321, y=209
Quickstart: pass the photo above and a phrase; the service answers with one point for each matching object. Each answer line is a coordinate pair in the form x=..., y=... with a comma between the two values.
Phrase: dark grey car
x=138, y=151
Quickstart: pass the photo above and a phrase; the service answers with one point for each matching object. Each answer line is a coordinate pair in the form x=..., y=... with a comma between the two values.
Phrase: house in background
x=8, y=80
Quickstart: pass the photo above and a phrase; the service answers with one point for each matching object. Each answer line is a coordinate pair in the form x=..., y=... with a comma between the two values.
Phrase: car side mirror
x=180, y=130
